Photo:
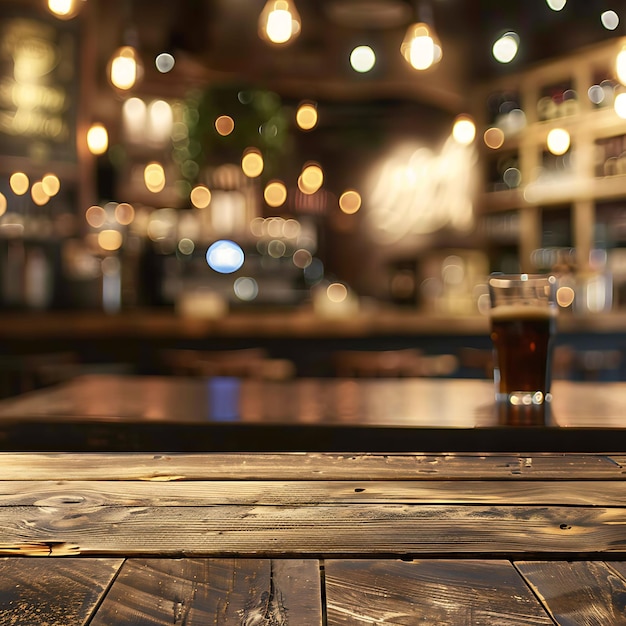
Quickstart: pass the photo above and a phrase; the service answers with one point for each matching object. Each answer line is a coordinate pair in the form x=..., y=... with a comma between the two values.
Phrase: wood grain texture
x=590, y=593
x=442, y=592
x=229, y=592
x=52, y=592
x=307, y=466
x=90, y=494
x=352, y=529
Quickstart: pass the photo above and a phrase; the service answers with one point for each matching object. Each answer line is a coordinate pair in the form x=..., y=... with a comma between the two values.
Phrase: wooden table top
x=312, y=539
x=149, y=413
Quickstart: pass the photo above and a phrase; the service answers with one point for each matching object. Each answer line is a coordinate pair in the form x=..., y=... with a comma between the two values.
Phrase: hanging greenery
x=261, y=121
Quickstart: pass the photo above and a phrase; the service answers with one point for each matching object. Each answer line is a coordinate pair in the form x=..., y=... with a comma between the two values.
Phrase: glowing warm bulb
x=558, y=141
x=19, y=183
x=421, y=47
x=311, y=179
x=279, y=22
x=252, y=163
x=464, y=130
x=362, y=59
x=275, y=193
x=125, y=69
x=110, y=240
x=51, y=184
x=505, y=48
x=306, y=116
x=63, y=9
x=200, y=197
x=97, y=139
x=154, y=177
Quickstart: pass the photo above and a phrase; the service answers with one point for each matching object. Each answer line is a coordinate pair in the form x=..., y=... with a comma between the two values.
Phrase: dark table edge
x=33, y=435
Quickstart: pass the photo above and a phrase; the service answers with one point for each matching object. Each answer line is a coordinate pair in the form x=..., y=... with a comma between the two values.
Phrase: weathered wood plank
x=93, y=494
x=306, y=466
x=54, y=592
x=472, y=593
x=229, y=592
x=352, y=529
x=578, y=592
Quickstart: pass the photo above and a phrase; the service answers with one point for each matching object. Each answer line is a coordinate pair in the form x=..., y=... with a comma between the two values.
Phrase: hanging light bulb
x=421, y=47
x=64, y=9
x=125, y=68
x=97, y=139
x=279, y=22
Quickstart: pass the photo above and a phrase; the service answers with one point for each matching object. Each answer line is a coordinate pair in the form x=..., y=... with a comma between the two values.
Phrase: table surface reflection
x=110, y=412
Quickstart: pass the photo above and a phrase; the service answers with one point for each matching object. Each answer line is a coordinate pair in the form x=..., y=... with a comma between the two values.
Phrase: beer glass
x=523, y=322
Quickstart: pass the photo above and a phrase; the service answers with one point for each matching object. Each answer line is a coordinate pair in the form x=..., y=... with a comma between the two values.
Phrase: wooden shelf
x=579, y=189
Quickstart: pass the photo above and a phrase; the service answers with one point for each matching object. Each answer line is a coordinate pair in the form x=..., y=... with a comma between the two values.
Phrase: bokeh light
x=302, y=258
x=306, y=116
x=556, y=5
x=362, y=59
x=275, y=193
x=38, y=194
x=64, y=9
x=276, y=248
x=200, y=197
x=3, y=204
x=224, y=125
x=51, y=184
x=246, y=288
x=505, y=47
x=97, y=139
x=154, y=177
x=252, y=163
x=164, y=62
x=350, y=201
x=19, y=183
x=558, y=141
x=493, y=138
x=96, y=216
x=311, y=179
x=596, y=94
x=620, y=105
x=125, y=68
x=512, y=177
x=464, y=130
x=565, y=296
x=225, y=256
x=186, y=246
x=337, y=292
x=110, y=240
x=124, y=213
x=610, y=20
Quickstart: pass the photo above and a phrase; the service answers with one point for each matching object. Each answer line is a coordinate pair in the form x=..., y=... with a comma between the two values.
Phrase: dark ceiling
x=544, y=33
x=221, y=36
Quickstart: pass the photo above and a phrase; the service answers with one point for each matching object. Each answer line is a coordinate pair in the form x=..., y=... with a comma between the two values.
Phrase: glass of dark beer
x=523, y=323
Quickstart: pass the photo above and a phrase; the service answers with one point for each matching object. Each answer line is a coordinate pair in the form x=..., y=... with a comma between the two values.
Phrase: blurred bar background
x=305, y=180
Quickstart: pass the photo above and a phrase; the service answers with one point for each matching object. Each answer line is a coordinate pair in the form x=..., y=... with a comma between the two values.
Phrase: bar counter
x=223, y=414
x=274, y=323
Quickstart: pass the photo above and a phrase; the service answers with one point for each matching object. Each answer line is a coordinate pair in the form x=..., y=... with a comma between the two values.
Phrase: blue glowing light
x=225, y=256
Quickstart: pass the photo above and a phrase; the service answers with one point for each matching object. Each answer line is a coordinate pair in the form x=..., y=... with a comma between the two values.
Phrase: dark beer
x=521, y=336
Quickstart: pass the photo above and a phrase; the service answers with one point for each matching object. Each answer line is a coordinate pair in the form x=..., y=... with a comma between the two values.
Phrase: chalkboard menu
x=38, y=86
